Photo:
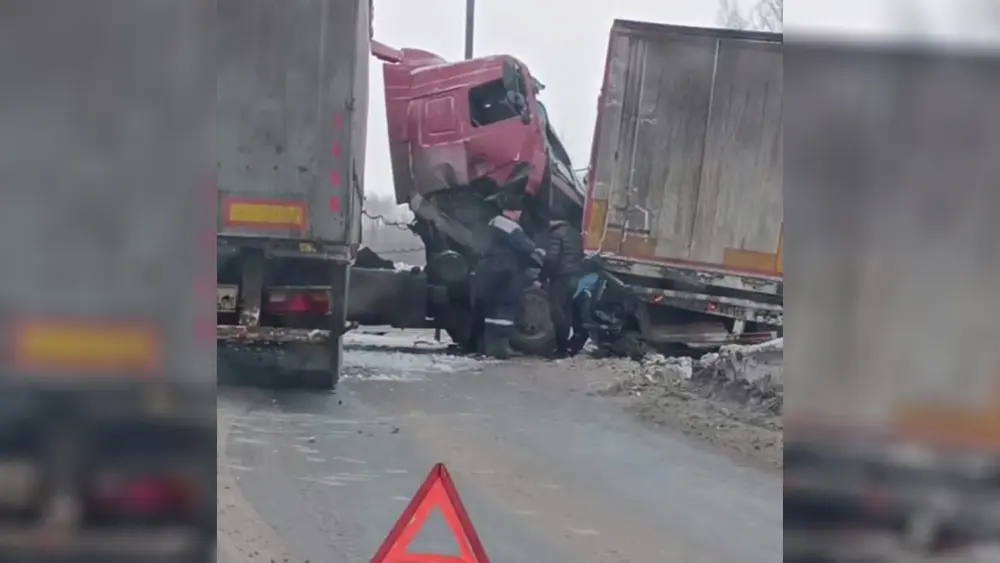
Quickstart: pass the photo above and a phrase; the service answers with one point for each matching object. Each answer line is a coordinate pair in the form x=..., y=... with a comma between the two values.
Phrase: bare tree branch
x=765, y=15
x=731, y=16
x=769, y=15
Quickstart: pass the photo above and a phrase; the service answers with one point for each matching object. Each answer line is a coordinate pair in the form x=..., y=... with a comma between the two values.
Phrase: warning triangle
x=437, y=495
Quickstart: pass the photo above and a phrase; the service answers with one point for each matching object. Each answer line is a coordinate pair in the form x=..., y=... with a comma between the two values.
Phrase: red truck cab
x=460, y=132
x=475, y=126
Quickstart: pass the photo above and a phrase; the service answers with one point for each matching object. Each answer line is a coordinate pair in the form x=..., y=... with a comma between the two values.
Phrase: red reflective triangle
x=437, y=492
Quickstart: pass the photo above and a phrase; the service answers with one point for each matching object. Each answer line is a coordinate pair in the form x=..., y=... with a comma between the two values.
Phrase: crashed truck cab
x=460, y=132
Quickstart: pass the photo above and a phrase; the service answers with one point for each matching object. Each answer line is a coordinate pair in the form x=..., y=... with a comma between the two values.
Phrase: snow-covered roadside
x=732, y=398
x=751, y=376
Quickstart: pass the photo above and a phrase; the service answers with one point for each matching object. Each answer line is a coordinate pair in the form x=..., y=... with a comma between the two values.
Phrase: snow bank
x=748, y=374
x=759, y=365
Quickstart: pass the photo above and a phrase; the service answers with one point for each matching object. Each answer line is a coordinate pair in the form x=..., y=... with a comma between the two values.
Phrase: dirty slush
x=732, y=398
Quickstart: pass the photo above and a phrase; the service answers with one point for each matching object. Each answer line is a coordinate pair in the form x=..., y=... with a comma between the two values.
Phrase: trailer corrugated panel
x=687, y=162
x=106, y=155
x=292, y=96
x=896, y=244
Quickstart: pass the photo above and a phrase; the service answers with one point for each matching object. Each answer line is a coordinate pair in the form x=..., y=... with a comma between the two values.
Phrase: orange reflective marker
x=437, y=492
x=264, y=214
x=97, y=346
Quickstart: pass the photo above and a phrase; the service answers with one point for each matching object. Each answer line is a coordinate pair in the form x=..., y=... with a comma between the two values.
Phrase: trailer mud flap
x=277, y=358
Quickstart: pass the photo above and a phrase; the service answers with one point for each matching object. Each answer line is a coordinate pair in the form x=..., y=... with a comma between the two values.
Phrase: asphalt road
x=547, y=474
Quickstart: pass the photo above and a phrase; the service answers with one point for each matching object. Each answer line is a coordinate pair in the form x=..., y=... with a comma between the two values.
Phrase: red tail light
x=282, y=302
x=147, y=496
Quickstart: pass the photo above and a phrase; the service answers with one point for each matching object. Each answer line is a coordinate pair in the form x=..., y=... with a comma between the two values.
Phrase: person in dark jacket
x=562, y=270
x=499, y=279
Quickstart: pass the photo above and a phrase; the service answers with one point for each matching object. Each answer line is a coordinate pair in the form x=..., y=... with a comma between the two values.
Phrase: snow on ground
x=388, y=337
x=750, y=375
x=389, y=354
x=733, y=397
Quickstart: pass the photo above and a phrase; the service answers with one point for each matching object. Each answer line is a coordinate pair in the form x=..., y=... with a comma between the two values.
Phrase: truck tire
x=534, y=333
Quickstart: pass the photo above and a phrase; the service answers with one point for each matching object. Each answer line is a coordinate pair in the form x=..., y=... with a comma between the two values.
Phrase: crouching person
x=583, y=300
x=499, y=278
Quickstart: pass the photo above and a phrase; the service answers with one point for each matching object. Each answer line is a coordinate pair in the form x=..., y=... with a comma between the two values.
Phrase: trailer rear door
x=105, y=160
x=687, y=163
x=292, y=96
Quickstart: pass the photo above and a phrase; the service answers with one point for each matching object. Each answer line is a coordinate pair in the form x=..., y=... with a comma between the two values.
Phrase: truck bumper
x=277, y=357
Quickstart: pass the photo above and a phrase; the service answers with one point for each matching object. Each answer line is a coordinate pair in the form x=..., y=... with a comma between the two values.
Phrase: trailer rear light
x=298, y=302
x=145, y=496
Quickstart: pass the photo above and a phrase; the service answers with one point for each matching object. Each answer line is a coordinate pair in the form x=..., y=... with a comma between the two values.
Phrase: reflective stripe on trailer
x=100, y=347
x=264, y=214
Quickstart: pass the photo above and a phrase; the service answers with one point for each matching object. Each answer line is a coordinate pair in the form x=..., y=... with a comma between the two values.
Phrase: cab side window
x=488, y=104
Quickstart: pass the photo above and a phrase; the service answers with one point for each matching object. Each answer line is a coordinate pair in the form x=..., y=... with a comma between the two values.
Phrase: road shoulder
x=241, y=533
x=673, y=395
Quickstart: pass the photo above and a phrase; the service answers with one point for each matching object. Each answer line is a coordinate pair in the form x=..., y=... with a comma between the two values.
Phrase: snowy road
x=547, y=473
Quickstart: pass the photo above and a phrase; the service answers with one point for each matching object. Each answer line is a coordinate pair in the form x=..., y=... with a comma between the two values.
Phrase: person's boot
x=496, y=343
x=506, y=332
x=576, y=344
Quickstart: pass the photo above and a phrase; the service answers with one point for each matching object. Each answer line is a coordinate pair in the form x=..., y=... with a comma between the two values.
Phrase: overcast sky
x=564, y=42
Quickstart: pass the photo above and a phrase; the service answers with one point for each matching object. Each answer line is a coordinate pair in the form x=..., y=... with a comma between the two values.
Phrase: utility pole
x=470, y=26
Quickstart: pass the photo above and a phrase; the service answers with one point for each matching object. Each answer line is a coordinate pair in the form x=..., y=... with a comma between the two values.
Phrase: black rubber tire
x=534, y=332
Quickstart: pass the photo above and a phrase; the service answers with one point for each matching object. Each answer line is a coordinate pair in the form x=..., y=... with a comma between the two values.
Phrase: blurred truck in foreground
x=291, y=118
x=107, y=383
x=684, y=202
x=892, y=402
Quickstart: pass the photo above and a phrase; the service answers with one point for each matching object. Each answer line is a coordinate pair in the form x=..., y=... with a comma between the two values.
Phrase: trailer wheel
x=534, y=332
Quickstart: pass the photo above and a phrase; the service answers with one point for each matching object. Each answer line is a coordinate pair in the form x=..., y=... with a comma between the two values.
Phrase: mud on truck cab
x=459, y=133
